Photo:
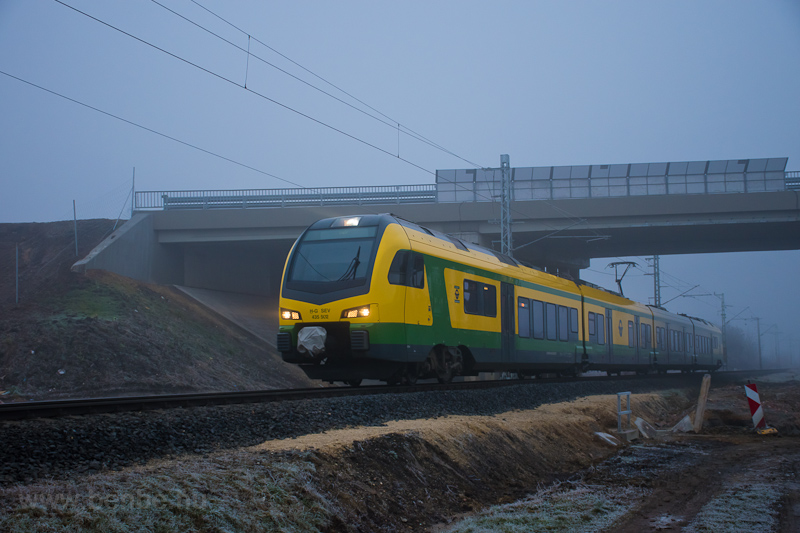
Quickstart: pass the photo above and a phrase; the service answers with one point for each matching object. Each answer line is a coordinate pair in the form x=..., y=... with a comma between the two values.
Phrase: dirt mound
x=46, y=253
x=545, y=467
x=100, y=334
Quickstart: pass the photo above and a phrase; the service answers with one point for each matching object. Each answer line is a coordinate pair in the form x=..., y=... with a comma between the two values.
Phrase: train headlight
x=356, y=312
x=288, y=314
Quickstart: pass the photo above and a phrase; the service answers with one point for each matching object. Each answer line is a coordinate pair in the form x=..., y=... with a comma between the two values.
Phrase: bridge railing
x=456, y=191
x=258, y=198
x=793, y=180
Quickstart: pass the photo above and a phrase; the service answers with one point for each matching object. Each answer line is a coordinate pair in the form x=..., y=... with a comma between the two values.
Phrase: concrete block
x=628, y=435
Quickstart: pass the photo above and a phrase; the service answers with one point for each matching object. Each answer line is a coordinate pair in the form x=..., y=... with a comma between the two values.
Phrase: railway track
x=83, y=406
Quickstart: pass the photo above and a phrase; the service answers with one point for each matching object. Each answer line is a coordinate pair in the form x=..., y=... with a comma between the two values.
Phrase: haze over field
x=547, y=83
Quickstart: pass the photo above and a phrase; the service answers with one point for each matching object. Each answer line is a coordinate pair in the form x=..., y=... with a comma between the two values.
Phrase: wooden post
x=16, y=275
x=701, y=403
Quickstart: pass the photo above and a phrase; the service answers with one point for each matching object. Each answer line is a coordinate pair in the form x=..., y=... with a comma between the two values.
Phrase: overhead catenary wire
x=233, y=82
x=175, y=139
x=151, y=130
x=391, y=121
x=236, y=84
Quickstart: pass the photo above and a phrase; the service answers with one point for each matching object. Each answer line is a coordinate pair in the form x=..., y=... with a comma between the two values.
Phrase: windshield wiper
x=353, y=267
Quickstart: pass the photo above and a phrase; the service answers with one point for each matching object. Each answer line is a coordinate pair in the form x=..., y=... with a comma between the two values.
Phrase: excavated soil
x=444, y=474
x=426, y=474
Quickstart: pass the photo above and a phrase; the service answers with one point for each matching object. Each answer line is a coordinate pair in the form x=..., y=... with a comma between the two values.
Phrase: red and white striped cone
x=755, y=405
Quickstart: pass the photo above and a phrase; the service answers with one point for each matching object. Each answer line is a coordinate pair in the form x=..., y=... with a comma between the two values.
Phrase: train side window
x=470, y=297
x=601, y=328
x=480, y=298
x=688, y=342
x=630, y=334
x=716, y=342
x=398, y=269
x=660, y=337
x=489, y=300
x=417, y=277
x=537, y=312
x=524, y=315
x=573, y=324
x=592, y=328
x=646, y=335
x=407, y=268
x=552, y=322
x=563, y=323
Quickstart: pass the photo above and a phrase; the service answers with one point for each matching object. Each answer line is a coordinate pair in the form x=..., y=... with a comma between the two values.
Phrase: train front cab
x=356, y=280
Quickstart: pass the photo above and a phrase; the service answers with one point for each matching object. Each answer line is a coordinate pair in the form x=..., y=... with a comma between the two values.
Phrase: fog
x=548, y=83
x=756, y=284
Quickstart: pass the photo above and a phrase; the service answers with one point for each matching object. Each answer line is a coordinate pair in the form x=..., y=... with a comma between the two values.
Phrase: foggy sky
x=549, y=83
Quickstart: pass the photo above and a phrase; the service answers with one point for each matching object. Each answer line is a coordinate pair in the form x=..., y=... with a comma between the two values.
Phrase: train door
x=669, y=348
x=417, y=299
x=507, y=321
x=686, y=355
x=609, y=358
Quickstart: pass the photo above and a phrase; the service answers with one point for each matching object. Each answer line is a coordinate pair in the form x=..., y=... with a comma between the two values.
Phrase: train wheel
x=445, y=362
x=444, y=377
x=410, y=375
x=353, y=382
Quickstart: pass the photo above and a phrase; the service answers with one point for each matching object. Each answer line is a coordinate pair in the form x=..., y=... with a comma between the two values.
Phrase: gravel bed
x=59, y=448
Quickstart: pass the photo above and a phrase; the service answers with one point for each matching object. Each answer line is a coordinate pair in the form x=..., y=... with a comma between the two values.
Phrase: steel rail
x=83, y=406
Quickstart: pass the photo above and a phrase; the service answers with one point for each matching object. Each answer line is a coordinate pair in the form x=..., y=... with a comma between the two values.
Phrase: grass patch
x=576, y=508
x=230, y=493
x=750, y=507
x=93, y=302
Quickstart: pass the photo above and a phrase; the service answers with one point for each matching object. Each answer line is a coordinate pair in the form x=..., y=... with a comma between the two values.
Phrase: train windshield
x=333, y=255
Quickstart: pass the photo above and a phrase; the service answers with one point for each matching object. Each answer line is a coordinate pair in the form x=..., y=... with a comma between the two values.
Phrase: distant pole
x=17, y=274
x=133, y=191
x=721, y=297
x=758, y=332
x=505, y=208
x=656, y=281
x=75, y=220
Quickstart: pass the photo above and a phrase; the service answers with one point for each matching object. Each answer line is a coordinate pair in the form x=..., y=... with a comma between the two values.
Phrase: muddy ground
x=527, y=470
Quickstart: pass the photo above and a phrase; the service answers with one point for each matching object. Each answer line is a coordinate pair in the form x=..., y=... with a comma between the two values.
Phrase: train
x=381, y=298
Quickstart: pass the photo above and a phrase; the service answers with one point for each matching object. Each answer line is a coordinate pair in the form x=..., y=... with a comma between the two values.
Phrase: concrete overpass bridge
x=237, y=241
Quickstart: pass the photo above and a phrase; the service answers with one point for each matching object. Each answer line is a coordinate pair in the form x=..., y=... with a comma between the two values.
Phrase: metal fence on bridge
x=258, y=198
x=530, y=183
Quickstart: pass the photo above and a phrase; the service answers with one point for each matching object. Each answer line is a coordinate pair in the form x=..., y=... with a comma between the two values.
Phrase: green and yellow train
x=378, y=297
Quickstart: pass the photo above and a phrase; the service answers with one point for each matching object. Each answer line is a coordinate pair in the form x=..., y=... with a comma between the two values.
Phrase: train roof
x=507, y=261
